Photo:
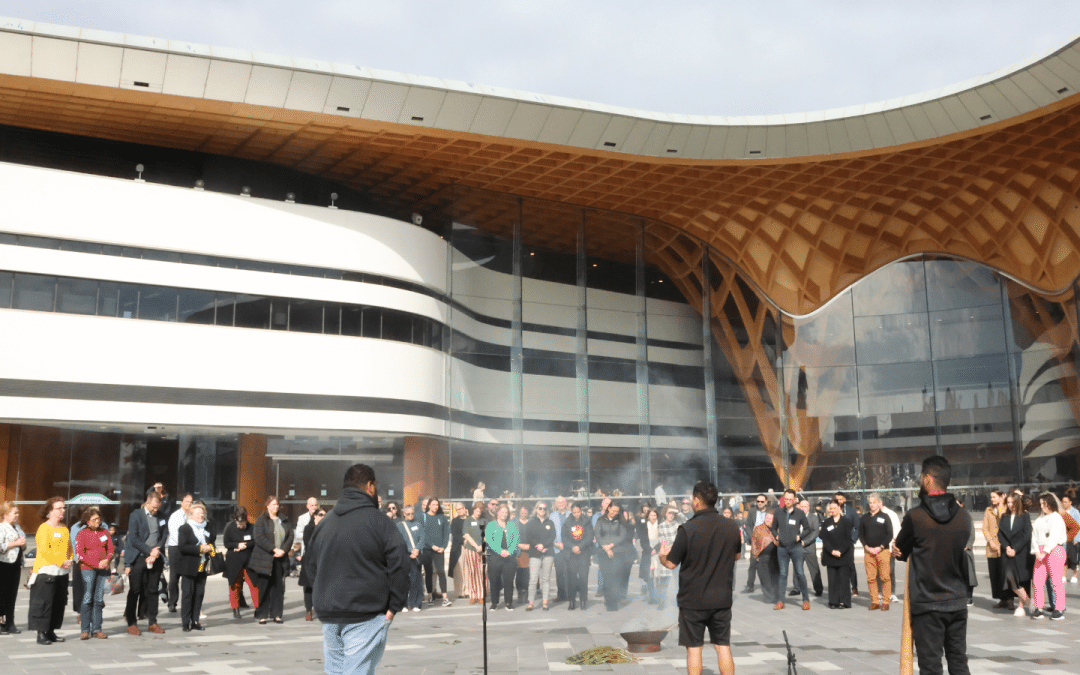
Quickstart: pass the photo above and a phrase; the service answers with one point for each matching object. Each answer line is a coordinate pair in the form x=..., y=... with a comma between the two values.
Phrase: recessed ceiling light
x=609, y=144
x=1063, y=90
x=142, y=84
x=416, y=118
x=985, y=117
x=342, y=108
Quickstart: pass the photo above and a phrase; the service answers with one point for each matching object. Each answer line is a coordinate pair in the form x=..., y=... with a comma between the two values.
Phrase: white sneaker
x=1073, y=580
x=1020, y=611
x=446, y=602
x=894, y=599
x=404, y=609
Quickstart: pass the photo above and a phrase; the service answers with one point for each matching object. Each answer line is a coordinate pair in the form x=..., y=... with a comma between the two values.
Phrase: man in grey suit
x=146, y=537
x=810, y=547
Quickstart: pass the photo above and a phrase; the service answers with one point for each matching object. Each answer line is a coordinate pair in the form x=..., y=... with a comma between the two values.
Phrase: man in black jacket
x=355, y=563
x=791, y=528
x=933, y=536
x=851, y=515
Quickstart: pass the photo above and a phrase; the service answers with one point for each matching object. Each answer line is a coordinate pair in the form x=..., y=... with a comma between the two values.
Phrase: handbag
x=217, y=564
x=117, y=584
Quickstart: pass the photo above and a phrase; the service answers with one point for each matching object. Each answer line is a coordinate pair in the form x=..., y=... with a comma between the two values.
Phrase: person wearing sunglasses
x=756, y=517
x=540, y=536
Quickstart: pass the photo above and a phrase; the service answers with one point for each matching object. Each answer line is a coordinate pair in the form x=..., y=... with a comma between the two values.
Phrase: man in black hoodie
x=933, y=536
x=356, y=563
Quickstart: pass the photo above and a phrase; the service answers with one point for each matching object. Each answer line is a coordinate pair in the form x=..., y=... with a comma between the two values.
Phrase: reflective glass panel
x=196, y=306
x=157, y=303
x=952, y=284
x=899, y=288
x=6, y=280
x=76, y=296
x=973, y=331
x=892, y=338
x=34, y=292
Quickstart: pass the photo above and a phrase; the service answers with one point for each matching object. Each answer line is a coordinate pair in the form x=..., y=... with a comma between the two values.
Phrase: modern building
x=238, y=273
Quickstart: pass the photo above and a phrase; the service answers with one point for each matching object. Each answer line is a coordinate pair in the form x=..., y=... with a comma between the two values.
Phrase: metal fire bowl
x=646, y=641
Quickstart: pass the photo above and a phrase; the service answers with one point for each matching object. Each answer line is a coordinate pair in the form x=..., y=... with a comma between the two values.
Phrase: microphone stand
x=483, y=595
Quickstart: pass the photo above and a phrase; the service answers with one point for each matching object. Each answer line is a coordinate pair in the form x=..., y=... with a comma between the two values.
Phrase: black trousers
x=810, y=557
x=521, y=582
x=144, y=586
x=616, y=571
x=839, y=585
x=854, y=576
x=561, y=579
x=768, y=572
x=9, y=591
x=997, y=580
x=455, y=556
x=309, y=594
x=434, y=564
x=501, y=578
x=191, y=597
x=577, y=575
x=174, y=577
x=751, y=572
x=938, y=632
x=272, y=591
x=78, y=589
x=48, y=600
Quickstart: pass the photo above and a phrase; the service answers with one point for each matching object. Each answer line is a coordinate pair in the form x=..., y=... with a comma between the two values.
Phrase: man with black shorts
x=706, y=546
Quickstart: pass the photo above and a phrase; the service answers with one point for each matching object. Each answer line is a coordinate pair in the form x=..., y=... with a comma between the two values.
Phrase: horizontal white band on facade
x=69, y=205
x=232, y=419
x=181, y=275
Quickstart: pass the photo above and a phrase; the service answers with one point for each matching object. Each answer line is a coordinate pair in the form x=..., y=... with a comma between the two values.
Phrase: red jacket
x=93, y=546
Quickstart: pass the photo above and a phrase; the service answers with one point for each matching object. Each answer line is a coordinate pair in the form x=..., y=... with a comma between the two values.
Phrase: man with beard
x=933, y=536
x=356, y=563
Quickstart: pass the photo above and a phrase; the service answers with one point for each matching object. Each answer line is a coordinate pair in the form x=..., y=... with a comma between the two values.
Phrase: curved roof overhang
x=804, y=204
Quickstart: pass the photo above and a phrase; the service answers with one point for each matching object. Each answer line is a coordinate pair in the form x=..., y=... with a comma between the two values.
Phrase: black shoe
x=172, y=608
x=43, y=639
x=584, y=604
x=817, y=594
x=186, y=628
x=236, y=614
x=748, y=589
x=792, y=593
x=572, y=605
x=197, y=626
x=12, y=630
x=54, y=637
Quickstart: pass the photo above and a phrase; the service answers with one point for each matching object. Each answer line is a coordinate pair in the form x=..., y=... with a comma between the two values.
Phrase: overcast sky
x=700, y=57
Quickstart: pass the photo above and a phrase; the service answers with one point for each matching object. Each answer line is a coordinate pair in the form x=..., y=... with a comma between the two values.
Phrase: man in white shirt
x=172, y=546
x=304, y=519
x=892, y=561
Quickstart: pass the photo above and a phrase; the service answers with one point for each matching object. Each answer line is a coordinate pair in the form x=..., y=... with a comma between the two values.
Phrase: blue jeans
x=795, y=554
x=93, y=600
x=416, y=584
x=354, y=648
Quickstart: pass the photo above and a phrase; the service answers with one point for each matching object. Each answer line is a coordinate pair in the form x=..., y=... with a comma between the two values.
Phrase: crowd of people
x=515, y=555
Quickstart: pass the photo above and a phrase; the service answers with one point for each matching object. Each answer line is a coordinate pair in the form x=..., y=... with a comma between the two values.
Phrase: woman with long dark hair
x=49, y=590
x=305, y=582
x=239, y=541
x=615, y=546
x=12, y=547
x=273, y=539
x=433, y=557
x=1014, y=535
x=195, y=543
x=95, y=550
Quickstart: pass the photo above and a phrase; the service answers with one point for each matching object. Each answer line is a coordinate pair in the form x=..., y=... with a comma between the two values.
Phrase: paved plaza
x=448, y=641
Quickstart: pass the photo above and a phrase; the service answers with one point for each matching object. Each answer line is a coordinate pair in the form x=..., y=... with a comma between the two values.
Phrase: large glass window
x=196, y=306
x=157, y=303
x=76, y=296
x=6, y=280
x=34, y=292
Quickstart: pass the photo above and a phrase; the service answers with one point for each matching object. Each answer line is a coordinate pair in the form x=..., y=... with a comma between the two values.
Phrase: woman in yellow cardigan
x=49, y=588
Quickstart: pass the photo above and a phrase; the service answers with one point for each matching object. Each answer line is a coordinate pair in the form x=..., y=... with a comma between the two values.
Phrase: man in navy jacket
x=146, y=537
x=356, y=564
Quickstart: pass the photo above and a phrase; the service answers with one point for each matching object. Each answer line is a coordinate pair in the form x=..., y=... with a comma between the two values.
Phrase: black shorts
x=692, y=623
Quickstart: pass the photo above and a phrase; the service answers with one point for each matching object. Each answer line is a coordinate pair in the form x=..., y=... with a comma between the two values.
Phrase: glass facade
x=597, y=352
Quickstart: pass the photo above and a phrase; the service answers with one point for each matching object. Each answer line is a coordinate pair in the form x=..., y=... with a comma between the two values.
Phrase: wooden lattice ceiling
x=802, y=230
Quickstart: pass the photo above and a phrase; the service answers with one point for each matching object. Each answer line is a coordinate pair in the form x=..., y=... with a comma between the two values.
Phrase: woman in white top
x=1048, y=542
x=12, y=546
